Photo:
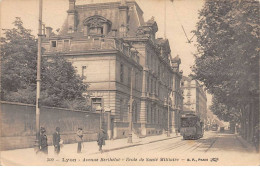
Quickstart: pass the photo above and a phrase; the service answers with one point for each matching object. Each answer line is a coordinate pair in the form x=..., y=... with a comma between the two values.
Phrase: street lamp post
x=101, y=109
x=38, y=90
x=130, y=117
x=101, y=119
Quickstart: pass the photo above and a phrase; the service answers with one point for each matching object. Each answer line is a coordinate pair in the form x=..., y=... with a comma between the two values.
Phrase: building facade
x=113, y=48
x=177, y=93
x=195, y=99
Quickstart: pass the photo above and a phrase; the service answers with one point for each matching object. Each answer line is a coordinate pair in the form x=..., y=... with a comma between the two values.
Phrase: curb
x=162, y=139
x=136, y=144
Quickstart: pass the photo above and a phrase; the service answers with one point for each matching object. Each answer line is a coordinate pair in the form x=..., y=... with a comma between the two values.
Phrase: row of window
x=123, y=114
x=160, y=70
x=154, y=115
x=136, y=77
x=66, y=44
x=153, y=87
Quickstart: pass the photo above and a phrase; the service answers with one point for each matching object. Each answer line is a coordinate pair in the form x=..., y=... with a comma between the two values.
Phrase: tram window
x=188, y=122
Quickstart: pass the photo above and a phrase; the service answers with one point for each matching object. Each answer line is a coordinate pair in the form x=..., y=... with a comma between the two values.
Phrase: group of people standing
x=100, y=139
x=44, y=141
x=57, y=141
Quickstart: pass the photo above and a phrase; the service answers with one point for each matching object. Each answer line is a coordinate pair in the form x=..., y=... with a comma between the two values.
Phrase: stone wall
x=18, y=124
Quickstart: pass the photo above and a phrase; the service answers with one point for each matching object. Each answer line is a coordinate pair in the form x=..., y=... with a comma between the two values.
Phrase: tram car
x=214, y=127
x=191, y=126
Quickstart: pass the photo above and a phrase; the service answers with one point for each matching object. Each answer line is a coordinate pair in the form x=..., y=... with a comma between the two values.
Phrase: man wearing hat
x=79, y=139
x=101, y=139
x=43, y=141
x=56, y=140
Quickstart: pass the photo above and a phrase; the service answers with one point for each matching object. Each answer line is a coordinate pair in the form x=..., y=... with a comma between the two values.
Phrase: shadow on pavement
x=223, y=142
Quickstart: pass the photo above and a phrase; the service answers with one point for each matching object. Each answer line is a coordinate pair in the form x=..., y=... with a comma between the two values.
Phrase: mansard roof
x=161, y=41
x=164, y=43
x=107, y=11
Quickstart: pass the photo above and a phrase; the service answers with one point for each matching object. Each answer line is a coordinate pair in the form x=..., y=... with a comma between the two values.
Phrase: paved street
x=213, y=149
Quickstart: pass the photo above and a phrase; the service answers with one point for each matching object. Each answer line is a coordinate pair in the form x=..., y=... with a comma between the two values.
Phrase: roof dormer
x=149, y=29
x=96, y=26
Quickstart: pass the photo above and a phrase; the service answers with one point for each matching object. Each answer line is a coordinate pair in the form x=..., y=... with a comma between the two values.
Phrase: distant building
x=195, y=99
x=177, y=93
x=112, y=46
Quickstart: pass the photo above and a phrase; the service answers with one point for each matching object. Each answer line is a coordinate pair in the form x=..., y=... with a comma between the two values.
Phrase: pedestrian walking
x=43, y=141
x=79, y=139
x=101, y=139
x=56, y=140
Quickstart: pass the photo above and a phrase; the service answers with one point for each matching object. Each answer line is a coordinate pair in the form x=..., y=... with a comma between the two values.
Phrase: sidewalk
x=249, y=147
x=27, y=156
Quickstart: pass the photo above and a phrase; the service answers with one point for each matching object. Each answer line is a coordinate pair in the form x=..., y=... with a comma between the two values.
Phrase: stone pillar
x=72, y=4
x=48, y=32
x=173, y=120
x=123, y=19
x=115, y=135
x=71, y=16
x=105, y=29
x=109, y=130
x=85, y=31
x=144, y=89
x=123, y=14
x=143, y=109
x=143, y=117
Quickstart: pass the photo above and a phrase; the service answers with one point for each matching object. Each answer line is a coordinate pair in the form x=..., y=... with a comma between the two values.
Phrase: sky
x=178, y=13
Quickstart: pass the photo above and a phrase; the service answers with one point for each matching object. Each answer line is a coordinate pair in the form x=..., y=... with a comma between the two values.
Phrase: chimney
x=43, y=29
x=72, y=16
x=48, y=32
x=72, y=5
x=123, y=18
x=176, y=61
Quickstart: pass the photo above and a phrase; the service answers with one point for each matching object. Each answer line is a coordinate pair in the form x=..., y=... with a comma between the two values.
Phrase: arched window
x=96, y=26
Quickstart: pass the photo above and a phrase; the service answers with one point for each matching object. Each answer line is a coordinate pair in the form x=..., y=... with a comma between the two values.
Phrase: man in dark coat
x=79, y=139
x=56, y=140
x=43, y=141
x=101, y=139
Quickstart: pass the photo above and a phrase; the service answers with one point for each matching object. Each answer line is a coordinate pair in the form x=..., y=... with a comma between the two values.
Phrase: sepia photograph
x=129, y=83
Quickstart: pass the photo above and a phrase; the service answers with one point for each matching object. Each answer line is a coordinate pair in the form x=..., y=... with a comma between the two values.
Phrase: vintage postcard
x=129, y=82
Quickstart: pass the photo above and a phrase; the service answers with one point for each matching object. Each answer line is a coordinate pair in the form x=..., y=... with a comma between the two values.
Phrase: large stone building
x=112, y=46
x=195, y=99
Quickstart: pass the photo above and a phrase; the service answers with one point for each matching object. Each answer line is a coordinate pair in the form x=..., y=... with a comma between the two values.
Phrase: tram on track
x=214, y=127
x=191, y=126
